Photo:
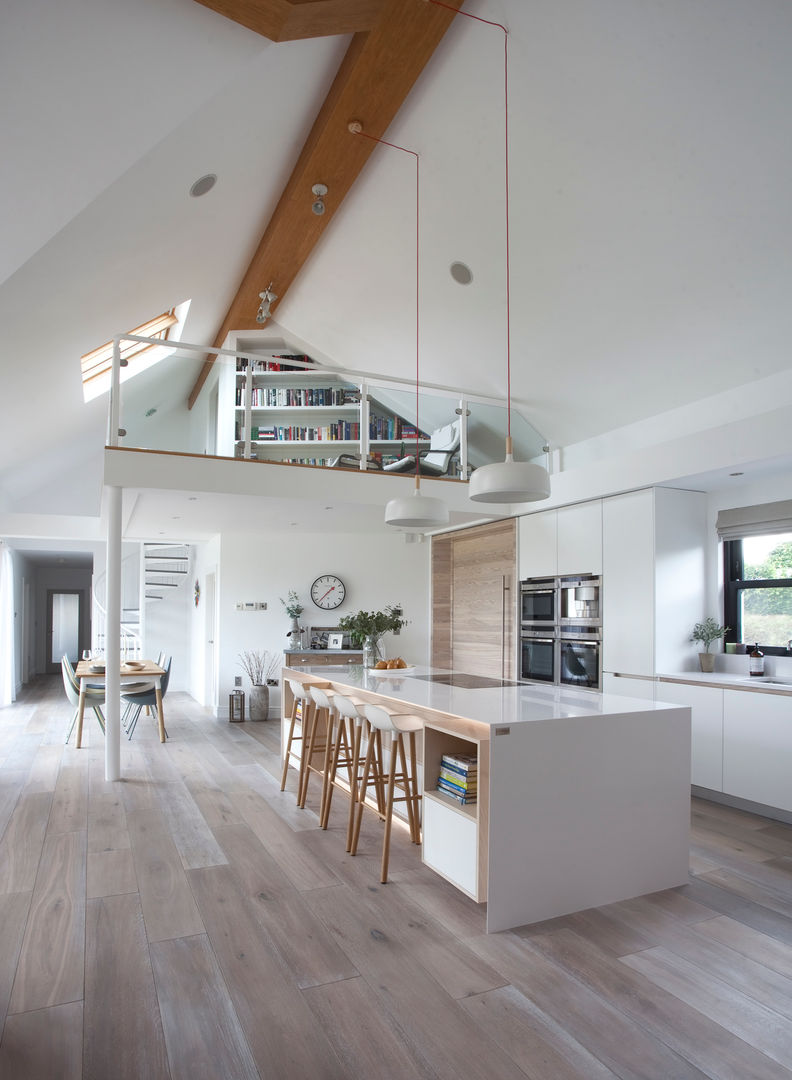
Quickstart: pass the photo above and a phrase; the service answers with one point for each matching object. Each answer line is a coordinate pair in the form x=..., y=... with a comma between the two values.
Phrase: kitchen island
x=583, y=798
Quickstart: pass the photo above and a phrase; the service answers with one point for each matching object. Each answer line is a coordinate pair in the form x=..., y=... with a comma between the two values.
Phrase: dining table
x=146, y=672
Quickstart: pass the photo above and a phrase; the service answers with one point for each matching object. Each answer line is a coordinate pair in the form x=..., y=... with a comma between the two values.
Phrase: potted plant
x=261, y=667
x=706, y=632
x=294, y=610
x=365, y=628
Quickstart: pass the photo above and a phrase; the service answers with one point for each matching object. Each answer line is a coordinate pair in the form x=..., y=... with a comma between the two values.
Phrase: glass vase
x=372, y=654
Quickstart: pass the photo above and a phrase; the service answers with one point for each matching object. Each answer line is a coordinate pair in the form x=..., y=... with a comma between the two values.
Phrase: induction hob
x=466, y=682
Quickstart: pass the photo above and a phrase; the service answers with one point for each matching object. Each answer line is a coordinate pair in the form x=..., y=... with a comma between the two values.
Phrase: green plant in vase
x=366, y=628
x=706, y=632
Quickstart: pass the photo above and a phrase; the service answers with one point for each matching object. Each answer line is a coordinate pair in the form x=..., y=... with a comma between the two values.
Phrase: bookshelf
x=285, y=412
x=455, y=841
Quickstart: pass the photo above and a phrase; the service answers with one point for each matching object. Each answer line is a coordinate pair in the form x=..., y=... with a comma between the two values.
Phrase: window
x=96, y=365
x=758, y=591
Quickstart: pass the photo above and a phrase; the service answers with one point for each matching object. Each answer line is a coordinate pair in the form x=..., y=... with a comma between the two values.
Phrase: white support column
x=113, y=636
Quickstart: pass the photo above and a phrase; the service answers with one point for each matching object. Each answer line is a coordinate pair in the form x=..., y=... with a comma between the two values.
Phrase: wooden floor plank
x=751, y=943
x=202, y=1032
x=273, y=1013
x=536, y=1043
x=111, y=873
x=51, y=962
x=44, y=770
x=755, y=1024
x=22, y=843
x=45, y=1043
x=70, y=801
x=688, y=1030
x=431, y=1024
x=107, y=828
x=192, y=836
x=361, y=1033
x=168, y=905
x=597, y=1022
x=14, y=908
x=124, y=1038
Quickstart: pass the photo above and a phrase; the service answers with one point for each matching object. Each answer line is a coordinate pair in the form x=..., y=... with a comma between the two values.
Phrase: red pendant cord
x=404, y=149
x=439, y=3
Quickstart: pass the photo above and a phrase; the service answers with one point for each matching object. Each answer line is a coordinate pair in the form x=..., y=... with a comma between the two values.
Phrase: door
x=483, y=600
x=64, y=610
x=210, y=651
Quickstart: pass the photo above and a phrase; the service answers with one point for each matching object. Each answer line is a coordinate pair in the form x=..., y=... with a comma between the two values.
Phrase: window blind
x=740, y=521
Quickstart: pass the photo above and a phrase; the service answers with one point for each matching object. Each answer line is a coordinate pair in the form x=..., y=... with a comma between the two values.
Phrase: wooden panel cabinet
x=322, y=659
x=474, y=589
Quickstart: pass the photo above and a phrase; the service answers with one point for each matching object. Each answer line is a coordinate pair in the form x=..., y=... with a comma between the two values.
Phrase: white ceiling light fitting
x=507, y=481
x=319, y=191
x=268, y=297
x=416, y=511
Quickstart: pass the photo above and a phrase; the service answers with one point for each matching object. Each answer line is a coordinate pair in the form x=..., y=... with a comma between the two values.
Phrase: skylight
x=96, y=366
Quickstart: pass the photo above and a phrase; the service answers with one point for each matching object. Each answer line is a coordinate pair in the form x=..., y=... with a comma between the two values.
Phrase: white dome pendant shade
x=416, y=511
x=509, y=481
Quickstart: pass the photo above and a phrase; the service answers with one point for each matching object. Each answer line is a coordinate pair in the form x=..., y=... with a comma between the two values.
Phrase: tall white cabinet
x=654, y=579
x=563, y=541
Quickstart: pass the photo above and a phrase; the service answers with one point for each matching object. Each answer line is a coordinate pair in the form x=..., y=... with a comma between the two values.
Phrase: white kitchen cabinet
x=628, y=583
x=653, y=579
x=706, y=738
x=579, y=533
x=538, y=544
x=626, y=687
x=757, y=747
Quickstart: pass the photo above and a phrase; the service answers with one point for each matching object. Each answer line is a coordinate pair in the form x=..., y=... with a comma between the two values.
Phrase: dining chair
x=136, y=702
x=94, y=695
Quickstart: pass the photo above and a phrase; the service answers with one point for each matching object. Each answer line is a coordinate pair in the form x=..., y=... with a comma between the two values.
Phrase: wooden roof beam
x=375, y=77
x=290, y=20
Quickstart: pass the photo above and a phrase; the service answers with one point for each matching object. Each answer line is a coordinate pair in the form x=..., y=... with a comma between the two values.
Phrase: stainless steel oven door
x=538, y=657
x=538, y=605
x=580, y=662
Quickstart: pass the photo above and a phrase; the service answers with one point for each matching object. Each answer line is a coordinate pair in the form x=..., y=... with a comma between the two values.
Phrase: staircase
x=164, y=568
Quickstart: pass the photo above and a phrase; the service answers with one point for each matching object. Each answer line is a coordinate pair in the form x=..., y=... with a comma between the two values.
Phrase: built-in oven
x=580, y=659
x=538, y=603
x=538, y=656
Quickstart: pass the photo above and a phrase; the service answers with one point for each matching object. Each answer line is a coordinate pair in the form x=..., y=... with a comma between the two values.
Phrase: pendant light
x=507, y=481
x=416, y=512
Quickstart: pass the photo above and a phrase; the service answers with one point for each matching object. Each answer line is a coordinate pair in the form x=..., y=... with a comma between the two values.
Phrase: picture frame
x=335, y=640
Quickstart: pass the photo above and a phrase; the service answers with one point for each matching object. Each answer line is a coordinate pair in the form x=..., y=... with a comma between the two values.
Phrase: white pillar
x=113, y=636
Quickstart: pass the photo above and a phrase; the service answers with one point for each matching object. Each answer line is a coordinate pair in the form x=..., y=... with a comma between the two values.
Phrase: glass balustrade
x=280, y=407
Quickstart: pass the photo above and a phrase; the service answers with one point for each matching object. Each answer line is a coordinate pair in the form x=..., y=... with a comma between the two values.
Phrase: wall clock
x=328, y=592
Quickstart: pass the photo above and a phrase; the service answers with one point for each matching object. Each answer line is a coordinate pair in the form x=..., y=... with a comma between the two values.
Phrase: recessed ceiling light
x=202, y=185
x=461, y=273
x=736, y=474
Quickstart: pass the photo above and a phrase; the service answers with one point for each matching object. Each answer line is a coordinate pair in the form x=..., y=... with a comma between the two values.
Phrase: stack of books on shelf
x=459, y=777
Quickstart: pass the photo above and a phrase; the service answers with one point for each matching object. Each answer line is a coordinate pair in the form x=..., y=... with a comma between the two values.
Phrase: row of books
x=338, y=432
x=391, y=428
x=459, y=777
x=275, y=363
x=280, y=397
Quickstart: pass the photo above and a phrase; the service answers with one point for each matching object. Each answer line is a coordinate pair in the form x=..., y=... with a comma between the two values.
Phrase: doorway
x=64, y=619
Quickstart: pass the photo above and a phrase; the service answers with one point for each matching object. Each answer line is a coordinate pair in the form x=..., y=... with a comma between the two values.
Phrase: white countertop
x=493, y=706
x=726, y=680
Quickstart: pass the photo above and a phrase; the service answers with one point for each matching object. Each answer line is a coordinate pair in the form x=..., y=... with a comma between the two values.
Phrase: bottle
x=756, y=661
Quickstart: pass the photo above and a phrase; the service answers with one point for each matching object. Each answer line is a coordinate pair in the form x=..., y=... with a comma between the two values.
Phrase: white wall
x=207, y=560
x=377, y=571
x=23, y=572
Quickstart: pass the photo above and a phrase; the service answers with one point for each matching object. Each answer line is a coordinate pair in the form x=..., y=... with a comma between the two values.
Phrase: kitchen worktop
x=726, y=680
x=493, y=706
x=583, y=798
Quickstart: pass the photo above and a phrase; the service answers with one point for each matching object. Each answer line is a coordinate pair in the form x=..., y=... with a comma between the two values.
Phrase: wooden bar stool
x=318, y=744
x=397, y=725
x=300, y=696
x=350, y=724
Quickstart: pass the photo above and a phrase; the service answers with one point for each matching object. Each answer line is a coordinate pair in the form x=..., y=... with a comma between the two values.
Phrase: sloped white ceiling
x=650, y=210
